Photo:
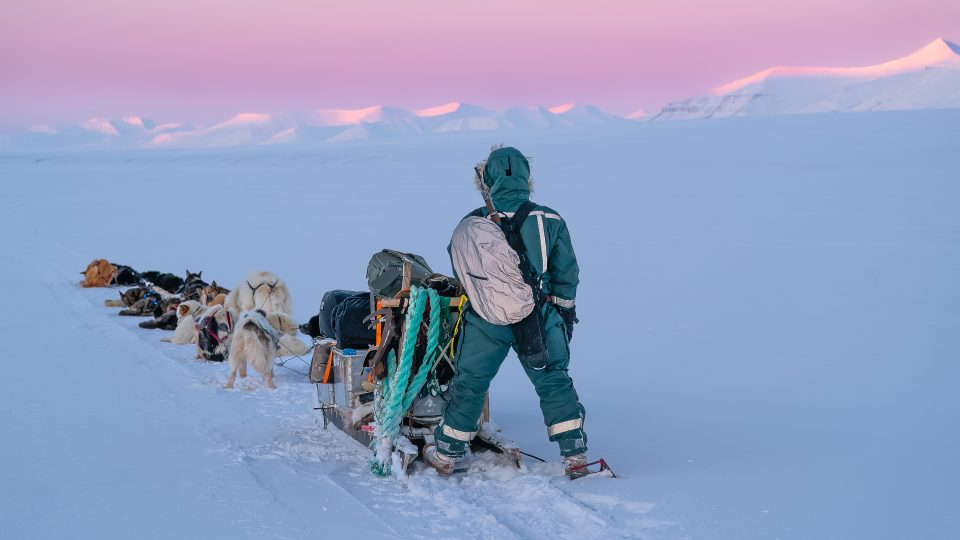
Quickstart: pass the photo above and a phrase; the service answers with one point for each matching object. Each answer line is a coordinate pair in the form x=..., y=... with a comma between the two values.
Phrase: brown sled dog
x=209, y=293
x=99, y=273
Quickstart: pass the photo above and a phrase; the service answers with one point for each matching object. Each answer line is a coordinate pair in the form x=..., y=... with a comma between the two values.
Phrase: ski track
x=290, y=470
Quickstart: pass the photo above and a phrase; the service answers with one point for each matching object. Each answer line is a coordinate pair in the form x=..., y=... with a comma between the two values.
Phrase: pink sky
x=202, y=60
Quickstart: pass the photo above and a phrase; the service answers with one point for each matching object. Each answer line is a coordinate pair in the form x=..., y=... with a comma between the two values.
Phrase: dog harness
x=271, y=285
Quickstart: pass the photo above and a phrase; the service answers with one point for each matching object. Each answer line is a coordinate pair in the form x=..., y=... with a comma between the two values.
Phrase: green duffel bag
x=385, y=271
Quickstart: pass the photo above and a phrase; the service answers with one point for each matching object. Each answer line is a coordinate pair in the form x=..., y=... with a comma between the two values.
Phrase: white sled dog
x=261, y=290
x=187, y=314
x=256, y=338
x=267, y=292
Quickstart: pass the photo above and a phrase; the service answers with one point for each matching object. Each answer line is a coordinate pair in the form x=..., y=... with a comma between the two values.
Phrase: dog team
x=248, y=325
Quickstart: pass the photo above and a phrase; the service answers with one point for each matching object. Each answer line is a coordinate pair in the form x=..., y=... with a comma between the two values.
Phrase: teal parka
x=484, y=346
x=545, y=234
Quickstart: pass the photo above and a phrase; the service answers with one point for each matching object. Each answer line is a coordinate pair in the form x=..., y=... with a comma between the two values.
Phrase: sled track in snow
x=301, y=471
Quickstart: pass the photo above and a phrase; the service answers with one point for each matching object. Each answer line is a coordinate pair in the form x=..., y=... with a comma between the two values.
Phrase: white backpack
x=490, y=272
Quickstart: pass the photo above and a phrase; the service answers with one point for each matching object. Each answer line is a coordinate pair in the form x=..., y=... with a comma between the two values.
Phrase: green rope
x=395, y=394
x=380, y=467
x=431, y=354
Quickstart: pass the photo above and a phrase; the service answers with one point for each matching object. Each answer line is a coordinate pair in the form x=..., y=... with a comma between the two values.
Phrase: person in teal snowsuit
x=484, y=346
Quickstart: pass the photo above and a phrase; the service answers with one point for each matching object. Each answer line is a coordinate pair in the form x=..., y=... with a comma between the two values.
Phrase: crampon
x=594, y=468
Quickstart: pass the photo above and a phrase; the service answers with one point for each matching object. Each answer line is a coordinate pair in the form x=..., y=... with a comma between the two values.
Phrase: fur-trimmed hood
x=506, y=173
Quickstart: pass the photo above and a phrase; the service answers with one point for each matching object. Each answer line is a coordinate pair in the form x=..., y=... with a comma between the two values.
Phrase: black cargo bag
x=348, y=327
x=385, y=271
x=329, y=303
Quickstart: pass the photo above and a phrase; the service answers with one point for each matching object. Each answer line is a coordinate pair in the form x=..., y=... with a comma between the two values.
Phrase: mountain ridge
x=902, y=83
x=310, y=126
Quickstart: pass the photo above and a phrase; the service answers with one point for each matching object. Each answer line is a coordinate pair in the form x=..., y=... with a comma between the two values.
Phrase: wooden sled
x=345, y=386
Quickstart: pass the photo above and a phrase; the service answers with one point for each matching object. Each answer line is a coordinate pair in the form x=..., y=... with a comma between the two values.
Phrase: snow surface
x=768, y=348
x=928, y=78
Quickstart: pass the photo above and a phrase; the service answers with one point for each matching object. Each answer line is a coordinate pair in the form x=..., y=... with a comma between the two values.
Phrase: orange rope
x=379, y=325
x=326, y=374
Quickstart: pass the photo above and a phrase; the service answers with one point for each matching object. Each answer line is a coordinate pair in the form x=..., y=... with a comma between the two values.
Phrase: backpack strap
x=518, y=217
x=521, y=214
x=511, y=229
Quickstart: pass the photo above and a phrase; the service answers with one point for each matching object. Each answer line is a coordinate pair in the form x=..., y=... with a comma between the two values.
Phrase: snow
x=439, y=110
x=767, y=349
x=304, y=128
x=560, y=109
x=928, y=78
x=342, y=117
x=101, y=125
x=938, y=53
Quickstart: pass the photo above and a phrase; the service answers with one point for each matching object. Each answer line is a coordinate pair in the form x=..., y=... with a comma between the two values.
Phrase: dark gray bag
x=349, y=329
x=385, y=271
x=329, y=303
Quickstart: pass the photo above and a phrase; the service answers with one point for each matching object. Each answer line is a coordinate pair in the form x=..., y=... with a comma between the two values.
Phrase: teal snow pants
x=482, y=349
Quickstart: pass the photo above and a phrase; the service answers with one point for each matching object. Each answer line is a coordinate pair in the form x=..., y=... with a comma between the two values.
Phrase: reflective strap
x=543, y=244
x=563, y=302
x=547, y=215
x=563, y=427
x=464, y=436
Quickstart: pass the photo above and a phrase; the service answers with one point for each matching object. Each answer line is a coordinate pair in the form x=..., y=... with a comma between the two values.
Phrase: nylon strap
x=456, y=327
x=326, y=373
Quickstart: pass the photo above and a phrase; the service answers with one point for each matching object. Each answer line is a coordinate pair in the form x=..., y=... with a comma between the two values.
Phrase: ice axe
x=382, y=316
x=485, y=191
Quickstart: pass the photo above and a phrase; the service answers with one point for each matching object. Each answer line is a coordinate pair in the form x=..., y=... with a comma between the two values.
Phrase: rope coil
x=394, y=395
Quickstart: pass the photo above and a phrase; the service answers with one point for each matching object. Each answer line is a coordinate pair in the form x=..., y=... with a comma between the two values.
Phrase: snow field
x=121, y=435
x=768, y=343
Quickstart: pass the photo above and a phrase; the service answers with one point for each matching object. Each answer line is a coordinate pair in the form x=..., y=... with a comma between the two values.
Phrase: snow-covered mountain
x=926, y=79
x=96, y=133
x=307, y=127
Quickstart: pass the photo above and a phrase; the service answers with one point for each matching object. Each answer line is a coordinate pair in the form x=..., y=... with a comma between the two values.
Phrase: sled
x=345, y=392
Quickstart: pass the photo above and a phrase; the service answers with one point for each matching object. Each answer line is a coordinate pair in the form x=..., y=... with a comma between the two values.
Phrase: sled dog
x=166, y=321
x=127, y=297
x=255, y=341
x=211, y=292
x=151, y=305
x=187, y=315
x=167, y=282
x=214, y=331
x=99, y=273
x=261, y=290
x=192, y=286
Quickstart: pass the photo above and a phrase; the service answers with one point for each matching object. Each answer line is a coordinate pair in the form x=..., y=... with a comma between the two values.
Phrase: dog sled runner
x=388, y=396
